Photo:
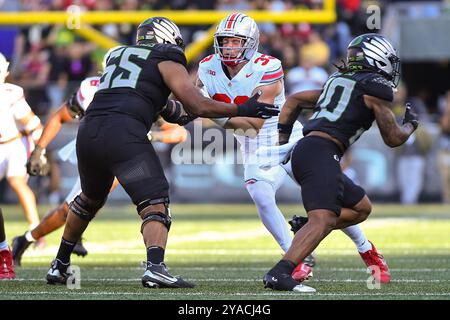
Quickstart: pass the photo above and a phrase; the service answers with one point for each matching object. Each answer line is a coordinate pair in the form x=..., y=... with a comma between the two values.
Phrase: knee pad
x=162, y=217
x=86, y=208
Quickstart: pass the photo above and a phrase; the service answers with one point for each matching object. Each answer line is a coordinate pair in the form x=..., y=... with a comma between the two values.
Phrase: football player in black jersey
x=359, y=93
x=112, y=141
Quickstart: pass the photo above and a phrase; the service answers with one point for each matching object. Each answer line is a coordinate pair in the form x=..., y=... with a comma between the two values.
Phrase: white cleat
x=303, y=289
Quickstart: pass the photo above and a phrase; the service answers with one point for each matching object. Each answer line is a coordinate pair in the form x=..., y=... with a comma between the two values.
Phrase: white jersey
x=13, y=107
x=259, y=71
x=86, y=92
x=84, y=96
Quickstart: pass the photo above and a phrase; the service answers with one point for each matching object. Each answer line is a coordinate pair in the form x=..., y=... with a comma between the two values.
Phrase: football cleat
x=79, y=249
x=374, y=261
x=284, y=282
x=302, y=272
x=58, y=273
x=157, y=276
x=6, y=265
x=19, y=246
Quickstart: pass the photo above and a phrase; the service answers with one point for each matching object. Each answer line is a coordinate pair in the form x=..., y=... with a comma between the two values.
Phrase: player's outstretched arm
x=294, y=104
x=53, y=125
x=177, y=79
x=37, y=163
x=393, y=134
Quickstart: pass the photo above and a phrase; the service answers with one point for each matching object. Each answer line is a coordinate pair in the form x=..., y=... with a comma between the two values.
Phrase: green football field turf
x=225, y=250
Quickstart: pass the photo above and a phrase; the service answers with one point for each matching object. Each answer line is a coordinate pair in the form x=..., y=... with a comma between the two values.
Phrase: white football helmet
x=3, y=68
x=237, y=25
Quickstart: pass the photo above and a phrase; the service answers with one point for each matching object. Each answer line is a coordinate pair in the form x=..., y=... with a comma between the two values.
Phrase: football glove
x=253, y=108
x=410, y=117
x=37, y=164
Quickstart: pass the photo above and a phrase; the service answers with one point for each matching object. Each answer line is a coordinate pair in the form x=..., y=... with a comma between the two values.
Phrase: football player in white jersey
x=19, y=129
x=233, y=74
x=74, y=108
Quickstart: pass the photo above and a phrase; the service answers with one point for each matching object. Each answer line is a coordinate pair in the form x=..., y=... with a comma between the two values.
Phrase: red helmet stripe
x=231, y=20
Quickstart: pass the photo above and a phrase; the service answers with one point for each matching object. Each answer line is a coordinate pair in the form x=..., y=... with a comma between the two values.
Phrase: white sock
x=29, y=236
x=356, y=234
x=4, y=245
x=263, y=194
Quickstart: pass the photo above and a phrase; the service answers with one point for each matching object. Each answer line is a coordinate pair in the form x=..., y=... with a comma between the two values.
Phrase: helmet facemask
x=231, y=55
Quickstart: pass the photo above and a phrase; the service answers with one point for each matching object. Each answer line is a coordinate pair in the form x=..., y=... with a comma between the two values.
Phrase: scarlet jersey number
x=224, y=98
x=264, y=58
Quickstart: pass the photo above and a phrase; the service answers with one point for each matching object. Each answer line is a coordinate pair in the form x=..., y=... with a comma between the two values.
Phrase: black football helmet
x=374, y=52
x=159, y=30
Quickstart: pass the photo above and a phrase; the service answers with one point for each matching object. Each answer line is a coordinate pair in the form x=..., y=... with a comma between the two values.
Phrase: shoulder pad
x=15, y=92
x=168, y=51
x=265, y=63
x=377, y=86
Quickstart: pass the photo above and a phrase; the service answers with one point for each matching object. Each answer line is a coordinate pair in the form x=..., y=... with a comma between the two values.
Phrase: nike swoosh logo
x=248, y=75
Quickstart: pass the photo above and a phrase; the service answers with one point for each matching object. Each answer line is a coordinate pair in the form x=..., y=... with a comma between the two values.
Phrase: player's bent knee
x=86, y=208
x=155, y=210
x=364, y=207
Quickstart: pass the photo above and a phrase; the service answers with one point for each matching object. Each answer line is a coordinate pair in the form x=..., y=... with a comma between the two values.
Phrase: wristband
x=285, y=128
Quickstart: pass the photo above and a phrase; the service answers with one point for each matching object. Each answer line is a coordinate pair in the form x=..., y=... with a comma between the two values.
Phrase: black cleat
x=157, y=276
x=279, y=278
x=58, y=273
x=19, y=246
x=79, y=249
x=284, y=282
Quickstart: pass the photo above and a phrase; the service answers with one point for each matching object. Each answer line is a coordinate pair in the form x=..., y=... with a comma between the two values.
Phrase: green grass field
x=225, y=250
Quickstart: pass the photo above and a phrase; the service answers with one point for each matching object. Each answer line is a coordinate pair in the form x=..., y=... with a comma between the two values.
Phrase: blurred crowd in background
x=49, y=61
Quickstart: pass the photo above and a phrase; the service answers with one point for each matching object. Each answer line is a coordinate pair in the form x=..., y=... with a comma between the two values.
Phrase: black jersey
x=341, y=111
x=131, y=83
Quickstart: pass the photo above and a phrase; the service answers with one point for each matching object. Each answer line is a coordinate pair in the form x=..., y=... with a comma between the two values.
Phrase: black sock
x=155, y=255
x=65, y=250
x=284, y=266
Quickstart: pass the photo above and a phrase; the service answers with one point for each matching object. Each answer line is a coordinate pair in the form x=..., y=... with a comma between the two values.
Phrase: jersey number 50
x=334, y=99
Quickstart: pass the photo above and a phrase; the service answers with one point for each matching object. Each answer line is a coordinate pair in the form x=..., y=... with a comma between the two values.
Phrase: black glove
x=174, y=112
x=253, y=108
x=297, y=223
x=37, y=164
x=410, y=117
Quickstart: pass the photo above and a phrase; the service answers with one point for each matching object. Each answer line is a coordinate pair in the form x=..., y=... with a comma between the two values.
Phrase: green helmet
x=375, y=53
x=159, y=30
